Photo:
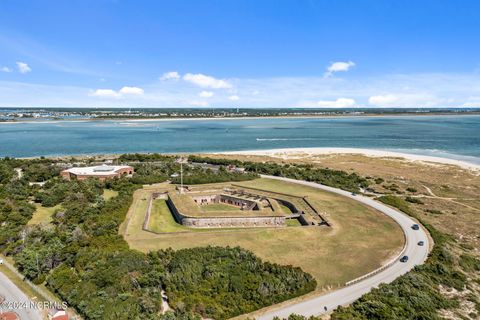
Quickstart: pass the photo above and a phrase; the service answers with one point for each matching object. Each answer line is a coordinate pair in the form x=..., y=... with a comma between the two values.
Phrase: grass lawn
x=218, y=207
x=284, y=208
x=360, y=240
x=161, y=219
x=109, y=194
x=293, y=223
x=42, y=215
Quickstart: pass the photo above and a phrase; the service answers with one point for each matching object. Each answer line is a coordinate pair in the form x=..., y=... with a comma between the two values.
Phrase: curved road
x=346, y=295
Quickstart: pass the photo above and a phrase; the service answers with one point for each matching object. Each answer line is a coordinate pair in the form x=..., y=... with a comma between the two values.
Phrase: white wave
x=283, y=139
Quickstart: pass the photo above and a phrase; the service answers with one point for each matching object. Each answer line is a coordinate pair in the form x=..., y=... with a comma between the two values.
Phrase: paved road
x=13, y=294
x=417, y=255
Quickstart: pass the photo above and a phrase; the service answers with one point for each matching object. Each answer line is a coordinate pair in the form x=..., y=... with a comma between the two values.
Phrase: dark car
x=404, y=259
x=415, y=227
x=421, y=243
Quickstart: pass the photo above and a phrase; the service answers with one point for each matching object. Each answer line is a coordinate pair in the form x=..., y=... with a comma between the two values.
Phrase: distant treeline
x=333, y=178
x=156, y=168
x=64, y=113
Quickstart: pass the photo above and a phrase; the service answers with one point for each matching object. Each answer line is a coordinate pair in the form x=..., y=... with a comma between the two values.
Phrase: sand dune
x=302, y=152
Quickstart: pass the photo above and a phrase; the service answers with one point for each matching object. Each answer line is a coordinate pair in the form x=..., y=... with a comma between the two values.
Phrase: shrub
x=434, y=211
x=469, y=263
x=414, y=200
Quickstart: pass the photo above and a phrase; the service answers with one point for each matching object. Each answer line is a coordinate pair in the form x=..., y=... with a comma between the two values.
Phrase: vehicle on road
x=354, y=193
x=404, y=259
x=1, y=262
x=421, y=243
x=415, y=227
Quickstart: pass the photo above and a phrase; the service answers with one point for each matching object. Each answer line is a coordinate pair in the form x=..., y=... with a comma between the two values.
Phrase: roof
x=9, y=316
x=58, y=314
x=103, y=170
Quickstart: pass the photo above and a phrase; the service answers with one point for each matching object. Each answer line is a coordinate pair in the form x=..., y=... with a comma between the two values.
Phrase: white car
x=1, y=262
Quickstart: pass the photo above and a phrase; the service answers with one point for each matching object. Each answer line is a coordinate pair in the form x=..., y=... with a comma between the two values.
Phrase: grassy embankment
x=360, y=241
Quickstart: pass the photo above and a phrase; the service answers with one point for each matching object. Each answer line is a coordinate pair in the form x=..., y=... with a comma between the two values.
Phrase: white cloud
x=109, y=93
x=23, y=67
x=172, y=75
x=6, y=69
x=105, y=93
x=404, y=100
x=234, y=98
x=472, y=102
x=339, y=103
x=339, y=66
x=205, y=81
x=131, y=90
x=197, y=103
x=400, y=90
x=382, y=100
x=206, y=94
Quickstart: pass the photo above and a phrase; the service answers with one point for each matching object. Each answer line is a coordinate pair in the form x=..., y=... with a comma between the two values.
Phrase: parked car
x=1, y=262
x=404, y=259
x=421, y=243
x=415, y=227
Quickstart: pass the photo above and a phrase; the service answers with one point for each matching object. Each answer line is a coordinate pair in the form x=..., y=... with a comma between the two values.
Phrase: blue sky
x=239, y=53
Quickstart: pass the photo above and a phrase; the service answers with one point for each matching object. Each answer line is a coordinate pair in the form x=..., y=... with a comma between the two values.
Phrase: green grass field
x=284, y=208
x=42, y=215
x=293, y=223
x=360, y=240
x=109, y=194
x=216, y=207
x=161, y=219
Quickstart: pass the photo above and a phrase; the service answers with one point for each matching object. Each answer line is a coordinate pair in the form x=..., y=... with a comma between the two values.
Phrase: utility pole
x=181, y=160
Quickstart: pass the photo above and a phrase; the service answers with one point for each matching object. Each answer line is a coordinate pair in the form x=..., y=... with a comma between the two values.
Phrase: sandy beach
x=295, y=153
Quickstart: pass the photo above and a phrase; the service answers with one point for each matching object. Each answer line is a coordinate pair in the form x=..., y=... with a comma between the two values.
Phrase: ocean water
x=455, y=137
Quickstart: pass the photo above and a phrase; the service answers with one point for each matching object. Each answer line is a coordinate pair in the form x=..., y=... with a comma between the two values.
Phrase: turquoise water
x=447, y=136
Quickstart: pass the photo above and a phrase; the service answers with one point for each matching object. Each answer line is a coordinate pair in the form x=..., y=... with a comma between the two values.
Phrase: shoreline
x=325, y=116
x=292, y=153
x=296, y=153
